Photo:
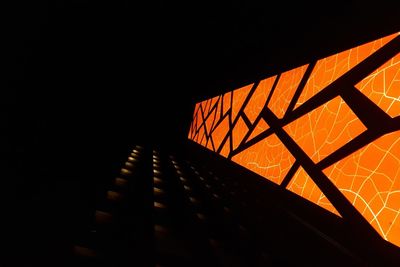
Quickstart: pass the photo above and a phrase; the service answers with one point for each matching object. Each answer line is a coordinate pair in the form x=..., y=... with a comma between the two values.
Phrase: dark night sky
x=88, y=78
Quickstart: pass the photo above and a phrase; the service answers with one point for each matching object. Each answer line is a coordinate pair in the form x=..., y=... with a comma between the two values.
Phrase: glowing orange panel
x=304, y=186
x=194, y=123
x=227, y=103
x=220, y=132
x=261, y=126
x=210, y=121
x=209, y=144
x=195, y=137
x=239, y=96
x=370, y=180
x=259, y=98
x=325, y=129
x=285, y=89
x=193, y=127
x=226, y=149
x=269, y=158
x=201, y=136
x=206, y=106
x=329, y=69
x=190, y=134
x=239, y=131
x=196, y=108
x=213, y=101
x=383, y=87
x=199, y=118
x=218, y=110
x=203, y=140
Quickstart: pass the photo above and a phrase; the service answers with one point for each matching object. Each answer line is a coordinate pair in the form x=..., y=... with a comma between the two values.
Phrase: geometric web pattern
x=370, y=180
x=327, y=131
x=382, y=86
x=257, y=101
x=329, y=69
x=303, y=185
x=274, y=164
x=285, y=89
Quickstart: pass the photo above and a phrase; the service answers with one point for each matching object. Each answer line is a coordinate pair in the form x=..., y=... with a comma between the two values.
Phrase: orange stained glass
x=206, y=106
x=203, y=140
x=209, y=144
x=196, y=109
x=238, y=132
x=383, y=86
x=325, y=129
x=285, y=90
x=196, y=137
x=304, y=186
x=268, y=158
x=370, y=179
x=218, y=110
x=239, y=96
x=199, y=118
x=190, y=134
x=259, y=98
x=201, y=135
x=261, y=126
x=226, y=103
x=220, y=132
x=329, y=69
x=226, y=148
x=210, y=121
x=193, y=127
x=213, y=102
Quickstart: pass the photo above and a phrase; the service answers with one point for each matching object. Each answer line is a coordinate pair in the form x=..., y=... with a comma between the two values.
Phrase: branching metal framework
x=328, y=131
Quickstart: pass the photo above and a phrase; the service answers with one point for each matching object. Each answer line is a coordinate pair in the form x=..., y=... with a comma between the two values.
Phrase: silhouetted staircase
x=164, y=210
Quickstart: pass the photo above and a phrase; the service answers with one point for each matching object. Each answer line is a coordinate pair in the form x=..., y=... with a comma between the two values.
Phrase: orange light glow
x=304, y=186
x=325, y=129
x=239, y=131
x=220, y=132
x=329, y=69
x=370, y=180
x=226, y=102
x=239, y=96
x=226, y=148
x=193, y=126
x=259, y=98
x=209, y=144
x=206, y=106
x=190, y=133
x=199, y=117
x=382, y=87
x=285, y=89
x=201, y=137
x=213, y=102
x=218, y=113
x=269, y=158
x=210, y=120
x=260, y=127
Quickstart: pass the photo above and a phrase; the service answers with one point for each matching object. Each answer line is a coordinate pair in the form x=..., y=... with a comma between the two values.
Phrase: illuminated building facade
x=328, y=131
